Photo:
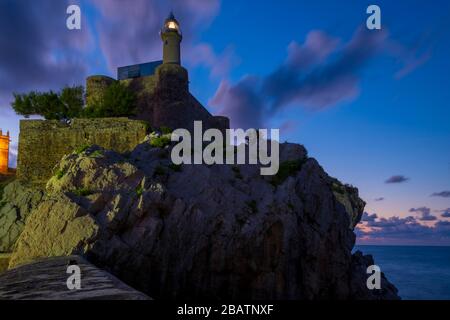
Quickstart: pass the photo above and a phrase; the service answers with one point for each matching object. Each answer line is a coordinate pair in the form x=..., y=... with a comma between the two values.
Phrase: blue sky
x=384, y=115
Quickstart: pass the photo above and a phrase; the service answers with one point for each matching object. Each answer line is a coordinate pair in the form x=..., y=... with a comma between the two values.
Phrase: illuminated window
x=172, y=25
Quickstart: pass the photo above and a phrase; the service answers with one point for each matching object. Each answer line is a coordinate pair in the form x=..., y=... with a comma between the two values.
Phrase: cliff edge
x=198, y=231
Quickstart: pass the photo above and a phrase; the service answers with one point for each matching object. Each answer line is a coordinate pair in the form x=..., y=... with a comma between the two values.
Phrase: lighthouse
x=171, y=36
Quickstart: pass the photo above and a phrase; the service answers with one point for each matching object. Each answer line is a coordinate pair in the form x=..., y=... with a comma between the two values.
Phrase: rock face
x=198, y=231
x=17, y=203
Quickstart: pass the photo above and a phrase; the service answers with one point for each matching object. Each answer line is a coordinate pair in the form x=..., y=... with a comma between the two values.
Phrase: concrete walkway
x=46, y=280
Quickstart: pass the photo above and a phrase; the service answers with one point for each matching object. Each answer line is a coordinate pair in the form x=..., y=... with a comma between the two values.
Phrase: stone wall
x=43, y=143
x=95, y=88
x=166, y=101
x=163, y=99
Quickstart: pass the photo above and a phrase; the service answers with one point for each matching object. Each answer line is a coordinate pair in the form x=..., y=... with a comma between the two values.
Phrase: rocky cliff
x=198, y=231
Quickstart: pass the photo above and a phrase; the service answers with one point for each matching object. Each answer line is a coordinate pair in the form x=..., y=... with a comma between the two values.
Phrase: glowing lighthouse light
x=172, y=25
x=171, y=37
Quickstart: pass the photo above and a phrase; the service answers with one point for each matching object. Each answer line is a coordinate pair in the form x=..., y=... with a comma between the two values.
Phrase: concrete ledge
x=46, y=280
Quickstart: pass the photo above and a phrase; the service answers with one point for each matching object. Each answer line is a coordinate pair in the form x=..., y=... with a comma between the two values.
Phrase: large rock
x=199, y=231
x=16, y=204
x=58, y=227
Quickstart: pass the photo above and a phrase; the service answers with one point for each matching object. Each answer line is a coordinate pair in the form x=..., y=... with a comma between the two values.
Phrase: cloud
x=13, y=152
x=411, y=64
x=411, y=58
x=128, y=33
x=366, y=217
x=445, y=213
x=425, y=213
x=396, y=230
x=38, y=52
x=397, y=179
x=242, y=101
x=422, y=210
x=322, y=72
x=443, y=194
x=204, y=55
x=379, y=199
x=308, y=77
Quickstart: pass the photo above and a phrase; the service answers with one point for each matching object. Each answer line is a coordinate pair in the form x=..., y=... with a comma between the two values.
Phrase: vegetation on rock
x=83, y=192
x=287, y=169
x=82, y=149
x=69, y=103
x=160, y=142
x=63, y=105
x=117, y=101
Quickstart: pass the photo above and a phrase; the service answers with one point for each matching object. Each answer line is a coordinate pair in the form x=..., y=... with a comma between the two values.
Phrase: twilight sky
x=371, y=106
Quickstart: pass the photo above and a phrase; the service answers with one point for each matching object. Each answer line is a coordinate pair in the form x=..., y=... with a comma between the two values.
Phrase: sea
x=419, y=273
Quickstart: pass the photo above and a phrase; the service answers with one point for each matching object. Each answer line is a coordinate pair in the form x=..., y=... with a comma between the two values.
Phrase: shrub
x=96, y=154
x=287, y=169
x=338, y=188
x=166, y=130
x=160, y=142
x=63, y=105
x=81, y=149
x=148, y=127
x=59, y=174
x=116, y=101
x=139, y=191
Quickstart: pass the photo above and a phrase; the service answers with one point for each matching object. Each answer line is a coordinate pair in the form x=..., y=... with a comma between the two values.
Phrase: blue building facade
x=137, y=70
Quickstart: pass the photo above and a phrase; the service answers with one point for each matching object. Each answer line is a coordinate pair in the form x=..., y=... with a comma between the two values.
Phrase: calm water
x=418, y=272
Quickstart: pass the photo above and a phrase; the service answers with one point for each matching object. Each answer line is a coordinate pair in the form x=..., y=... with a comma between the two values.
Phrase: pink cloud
x=395, y=230
x=204, y=55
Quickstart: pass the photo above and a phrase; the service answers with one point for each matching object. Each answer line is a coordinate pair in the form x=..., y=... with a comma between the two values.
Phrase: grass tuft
x=60, y=173
x=83, y=192
x=160, y=142
x=139, y=191
x=81, y=149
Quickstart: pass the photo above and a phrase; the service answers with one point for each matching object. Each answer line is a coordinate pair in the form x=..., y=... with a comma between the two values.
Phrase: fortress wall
x=43, y=143
x=144, y=88
x=95, y=88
